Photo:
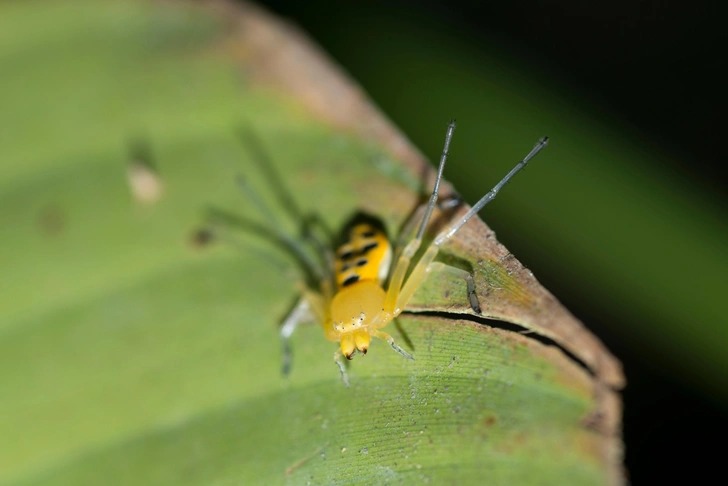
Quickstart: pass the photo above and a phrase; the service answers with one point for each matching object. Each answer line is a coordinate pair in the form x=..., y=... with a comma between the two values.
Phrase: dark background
x=655, y=69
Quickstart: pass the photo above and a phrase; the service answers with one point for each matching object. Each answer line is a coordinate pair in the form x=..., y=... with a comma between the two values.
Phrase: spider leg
x=261, y=158
x=339, y=360
x=465, y=275
x=324, y=309
x=405, y=293
x=301, y=313
x=386, y=337
x=395, y=283
x=405, y=258
x=490, y=195
x=419, y=272
x=311, y=307
x=324, y=250
x=409, y=230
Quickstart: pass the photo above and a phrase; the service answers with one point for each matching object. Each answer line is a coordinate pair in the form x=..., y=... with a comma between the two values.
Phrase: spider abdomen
x=365, y=256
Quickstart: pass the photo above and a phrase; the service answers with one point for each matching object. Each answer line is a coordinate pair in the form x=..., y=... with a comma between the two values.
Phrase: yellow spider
x=351, y=303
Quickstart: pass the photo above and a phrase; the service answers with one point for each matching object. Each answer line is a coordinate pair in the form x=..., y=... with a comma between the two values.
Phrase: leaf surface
x=132, y=355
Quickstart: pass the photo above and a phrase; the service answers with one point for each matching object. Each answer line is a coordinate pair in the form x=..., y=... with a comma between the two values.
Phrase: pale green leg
x=386, y=337
x=339, y=359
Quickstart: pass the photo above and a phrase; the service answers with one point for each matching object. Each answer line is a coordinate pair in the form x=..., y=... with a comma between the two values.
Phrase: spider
x=352, y=304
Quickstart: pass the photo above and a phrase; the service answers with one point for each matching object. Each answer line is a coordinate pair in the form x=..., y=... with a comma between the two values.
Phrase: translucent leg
x=409, y=230
x=489, y=196
x=261, y=158
x=419, y=273
x=395, y=283
x=339, y=360
x=386, y=337
x=300, y=313
x=403, y=262
x=398, y=299
x=464, y=274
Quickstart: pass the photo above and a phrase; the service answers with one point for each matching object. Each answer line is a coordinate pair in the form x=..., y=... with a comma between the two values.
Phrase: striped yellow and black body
x=361, y=265
x=364, y=256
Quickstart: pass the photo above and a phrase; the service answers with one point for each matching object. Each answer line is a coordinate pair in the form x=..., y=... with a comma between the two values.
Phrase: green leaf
x=133, y=354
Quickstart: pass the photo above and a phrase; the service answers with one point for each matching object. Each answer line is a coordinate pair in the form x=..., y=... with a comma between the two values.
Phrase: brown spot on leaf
x=201, y=238
x=51, y=220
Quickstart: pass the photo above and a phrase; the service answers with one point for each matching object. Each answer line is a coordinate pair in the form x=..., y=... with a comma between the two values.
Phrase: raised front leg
x=423, y=266
x=395, y=283
x=403, y=262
